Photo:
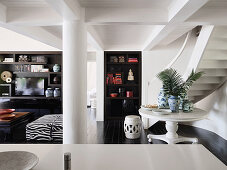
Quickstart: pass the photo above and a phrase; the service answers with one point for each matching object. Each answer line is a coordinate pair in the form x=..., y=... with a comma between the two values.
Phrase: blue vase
x=187, y=106
x=57, y=92
x=174, y=103
x=56, y=68
x=182, y=97
x=162, y=100
x=49, y=92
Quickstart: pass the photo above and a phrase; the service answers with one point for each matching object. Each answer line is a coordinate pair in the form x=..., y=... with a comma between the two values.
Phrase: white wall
x=91, y=76
x=12, y=41
x=100, y=85
x=91, y=71
x=216, y=106
x=154, y=61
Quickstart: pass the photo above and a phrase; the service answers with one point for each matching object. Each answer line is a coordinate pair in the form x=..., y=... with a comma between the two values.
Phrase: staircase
x=214, y=64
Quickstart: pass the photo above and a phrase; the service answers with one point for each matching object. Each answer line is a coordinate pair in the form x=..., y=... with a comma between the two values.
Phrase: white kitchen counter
x=122, y=157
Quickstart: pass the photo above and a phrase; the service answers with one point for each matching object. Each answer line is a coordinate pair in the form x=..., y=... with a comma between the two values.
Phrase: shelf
x=122, y=98
x=122, y=63
x=31, y=74
x=54, y=85
x=30, y=97
x=124, y=85
x=33, y=63
x=54, y=72
x=36, y=74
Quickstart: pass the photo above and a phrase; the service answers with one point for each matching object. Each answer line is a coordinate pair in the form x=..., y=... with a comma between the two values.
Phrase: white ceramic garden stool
x=132, y=126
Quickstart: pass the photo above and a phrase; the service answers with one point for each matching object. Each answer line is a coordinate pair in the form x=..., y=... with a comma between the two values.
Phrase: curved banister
x=171, y=63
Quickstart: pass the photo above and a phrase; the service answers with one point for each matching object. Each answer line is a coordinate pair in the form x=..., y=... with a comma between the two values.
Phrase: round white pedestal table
x=172, y=120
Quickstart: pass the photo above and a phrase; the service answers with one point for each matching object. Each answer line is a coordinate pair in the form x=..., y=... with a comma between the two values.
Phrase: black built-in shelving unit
x=113, y=106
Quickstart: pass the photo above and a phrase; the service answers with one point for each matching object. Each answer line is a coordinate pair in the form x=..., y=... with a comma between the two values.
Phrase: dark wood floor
x=111, y=132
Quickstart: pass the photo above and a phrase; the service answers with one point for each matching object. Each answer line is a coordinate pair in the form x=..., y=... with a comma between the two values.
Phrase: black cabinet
x=122, y=74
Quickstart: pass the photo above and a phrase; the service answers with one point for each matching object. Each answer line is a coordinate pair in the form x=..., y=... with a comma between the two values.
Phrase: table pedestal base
x=171, y=137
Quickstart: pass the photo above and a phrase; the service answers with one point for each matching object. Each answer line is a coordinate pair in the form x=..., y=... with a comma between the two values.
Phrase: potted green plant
x=174, y=85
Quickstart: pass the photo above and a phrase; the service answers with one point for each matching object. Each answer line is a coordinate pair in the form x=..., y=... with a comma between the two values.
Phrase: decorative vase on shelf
x=187, y=106
x=56, y=80
x=49, y=92
x=128, y=107
x=56, y=68
x=174, y=103
x=163, y=100
x=57, y=92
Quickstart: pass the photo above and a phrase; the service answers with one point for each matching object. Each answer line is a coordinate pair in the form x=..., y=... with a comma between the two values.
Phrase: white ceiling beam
x=178, y=12
x=132, y=16
x=68, y=9
x=177, y=33
x=93, y=39
x=3, y=10
x=36, y=33
x=36, y=16
x=206, y=17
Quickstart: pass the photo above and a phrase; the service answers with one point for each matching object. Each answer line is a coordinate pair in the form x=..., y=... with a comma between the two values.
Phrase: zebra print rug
x=47, y=128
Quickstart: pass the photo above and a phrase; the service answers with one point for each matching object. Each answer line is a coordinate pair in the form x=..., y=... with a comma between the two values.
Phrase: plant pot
x=174, y=103
x=163, y=100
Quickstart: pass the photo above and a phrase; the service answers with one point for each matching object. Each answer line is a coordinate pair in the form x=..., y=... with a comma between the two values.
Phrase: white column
x=100, y=86
x=74, y=82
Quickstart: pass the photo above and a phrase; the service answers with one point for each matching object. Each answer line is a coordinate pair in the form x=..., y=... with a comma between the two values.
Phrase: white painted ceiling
x=24, y=3
x=56, y=30
x=118, y=24
x=130, y=37
x=127, y=3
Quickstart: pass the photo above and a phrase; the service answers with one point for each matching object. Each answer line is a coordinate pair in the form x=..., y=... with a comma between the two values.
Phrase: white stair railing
x=170, y=64
x=199, y=49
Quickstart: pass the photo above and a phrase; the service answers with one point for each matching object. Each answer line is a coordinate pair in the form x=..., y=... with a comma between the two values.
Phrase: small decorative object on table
x=183, y=96
x=49, y=92
x=67, y=161
x=174, y=102
x=163, y=100
x=132, y=126
x=57, y=92
x=187, y=106
x=121, y=59
x=56, y=68
x=174, y=85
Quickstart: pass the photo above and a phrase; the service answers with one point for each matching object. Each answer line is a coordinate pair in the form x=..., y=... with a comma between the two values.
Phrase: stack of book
x=118, y=79
x=132, y=60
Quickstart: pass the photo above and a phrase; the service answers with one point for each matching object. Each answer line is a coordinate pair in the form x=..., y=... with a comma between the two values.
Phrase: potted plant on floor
x=174, y=85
